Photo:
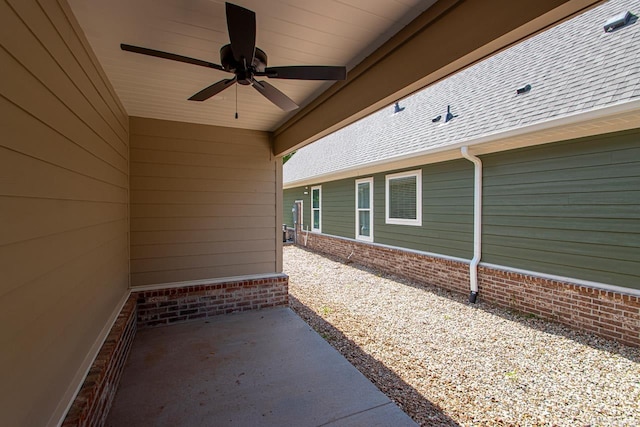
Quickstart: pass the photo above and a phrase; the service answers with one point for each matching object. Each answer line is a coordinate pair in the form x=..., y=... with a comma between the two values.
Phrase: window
x=404, y=198
x=364, y=209
x=316, y=203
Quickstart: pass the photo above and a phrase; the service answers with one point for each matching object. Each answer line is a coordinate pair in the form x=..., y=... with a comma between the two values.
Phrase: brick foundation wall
x=612, y=315
x=167, y=306
x=91, y=405
x=162, y=307
x=445, y=273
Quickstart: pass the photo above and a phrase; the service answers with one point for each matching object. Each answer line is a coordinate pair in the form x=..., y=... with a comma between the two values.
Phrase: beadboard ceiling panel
x=294, y=32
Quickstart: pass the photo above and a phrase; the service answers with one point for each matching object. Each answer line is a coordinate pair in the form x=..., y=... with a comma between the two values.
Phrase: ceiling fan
x=242, y=58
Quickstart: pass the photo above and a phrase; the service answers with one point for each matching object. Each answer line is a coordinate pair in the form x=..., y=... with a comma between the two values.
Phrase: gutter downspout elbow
x=477, y=222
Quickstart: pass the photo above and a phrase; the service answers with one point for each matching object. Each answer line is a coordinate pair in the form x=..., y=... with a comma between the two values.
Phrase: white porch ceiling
x=294, y=32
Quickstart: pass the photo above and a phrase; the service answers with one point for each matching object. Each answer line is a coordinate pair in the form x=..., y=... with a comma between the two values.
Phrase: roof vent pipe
x=449, y=115
x=618, y=21
x=477, y=223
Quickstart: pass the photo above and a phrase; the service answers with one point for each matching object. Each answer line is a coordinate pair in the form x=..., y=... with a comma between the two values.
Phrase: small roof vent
x=523, y=89
x=449, y=115
x=397, y=108
x=619, y=21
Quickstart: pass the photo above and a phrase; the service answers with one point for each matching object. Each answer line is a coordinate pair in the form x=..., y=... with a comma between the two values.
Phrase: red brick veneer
x=609, y=314
x=92, y=404
x=171, y=305
x=161, y=307
x=605, y=313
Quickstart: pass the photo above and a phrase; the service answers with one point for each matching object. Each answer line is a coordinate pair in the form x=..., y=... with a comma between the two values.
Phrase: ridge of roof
x=572, y=68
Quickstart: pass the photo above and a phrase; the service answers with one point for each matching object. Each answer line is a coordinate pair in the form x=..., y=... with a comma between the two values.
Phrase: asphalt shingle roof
x=574, y=67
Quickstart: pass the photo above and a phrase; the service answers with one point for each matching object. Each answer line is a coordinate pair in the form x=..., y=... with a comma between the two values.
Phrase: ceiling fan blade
x=241, y=24
x=212, y=90
x=306, y=72
x=171, y=56
x=274, y=95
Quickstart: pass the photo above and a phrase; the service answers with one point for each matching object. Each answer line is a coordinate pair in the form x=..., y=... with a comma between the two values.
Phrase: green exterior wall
x=447, y=211
x=338, y=208
x=288, y=200
x=570, y=209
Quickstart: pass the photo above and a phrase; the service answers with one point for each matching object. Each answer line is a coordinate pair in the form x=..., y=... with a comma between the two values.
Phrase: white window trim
x=358, y=236
x=319, y=208
x=302, y=212
x=399, y=221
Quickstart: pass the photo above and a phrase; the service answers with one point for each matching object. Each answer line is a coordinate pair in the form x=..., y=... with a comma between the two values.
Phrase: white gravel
x=446, y=362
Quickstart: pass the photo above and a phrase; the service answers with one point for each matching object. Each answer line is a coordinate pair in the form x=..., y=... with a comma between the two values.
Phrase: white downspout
x=477, y=223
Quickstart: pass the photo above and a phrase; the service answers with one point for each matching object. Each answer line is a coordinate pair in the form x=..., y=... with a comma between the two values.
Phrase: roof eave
x=613, y=118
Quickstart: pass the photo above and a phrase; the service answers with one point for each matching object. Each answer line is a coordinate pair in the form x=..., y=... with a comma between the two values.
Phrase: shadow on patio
x=256, y=368
x=396, y=388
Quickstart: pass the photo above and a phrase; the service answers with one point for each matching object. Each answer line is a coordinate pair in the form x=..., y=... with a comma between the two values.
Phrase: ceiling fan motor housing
x=244, y=74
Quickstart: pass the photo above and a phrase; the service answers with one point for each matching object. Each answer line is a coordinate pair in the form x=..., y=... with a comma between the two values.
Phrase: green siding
x=338, y=208
x=569, y=209
x=289, y=198
x=447, y=211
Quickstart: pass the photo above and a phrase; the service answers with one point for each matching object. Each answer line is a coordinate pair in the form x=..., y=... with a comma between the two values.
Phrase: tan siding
x=200, y=248
x=151, y=170
x=189, y=236
x=63, y=208
x=200, y=184
x=172, y=276
x=203, y=202
x=198, y=210
x=201, y=223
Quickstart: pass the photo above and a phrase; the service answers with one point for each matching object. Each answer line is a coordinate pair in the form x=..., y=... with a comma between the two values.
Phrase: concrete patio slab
x=262, y=368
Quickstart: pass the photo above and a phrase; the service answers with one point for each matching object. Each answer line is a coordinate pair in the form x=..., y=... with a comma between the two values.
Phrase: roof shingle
x=574, y=67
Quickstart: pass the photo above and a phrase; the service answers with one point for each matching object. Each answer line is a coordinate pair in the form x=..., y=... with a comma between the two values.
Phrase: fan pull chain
x=236, y=102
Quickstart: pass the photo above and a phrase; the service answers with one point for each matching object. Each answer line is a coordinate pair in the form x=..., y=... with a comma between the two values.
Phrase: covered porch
x=123, y=204
x=259, y=368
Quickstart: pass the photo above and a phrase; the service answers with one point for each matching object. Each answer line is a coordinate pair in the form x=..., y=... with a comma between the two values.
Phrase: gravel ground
x=446, y=362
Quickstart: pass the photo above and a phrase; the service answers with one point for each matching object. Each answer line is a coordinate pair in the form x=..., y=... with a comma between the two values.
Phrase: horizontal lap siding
x=64, y=158
x=338, y=208
x=570, y=209
x=203, y=202
x=447, y=212
x=290, y=196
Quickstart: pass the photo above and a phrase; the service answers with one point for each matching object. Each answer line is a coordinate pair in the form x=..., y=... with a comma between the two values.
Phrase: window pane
x=363, y=195
x=316, y=198
x=402, y=198
x=316, y=219
x=364, y=223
